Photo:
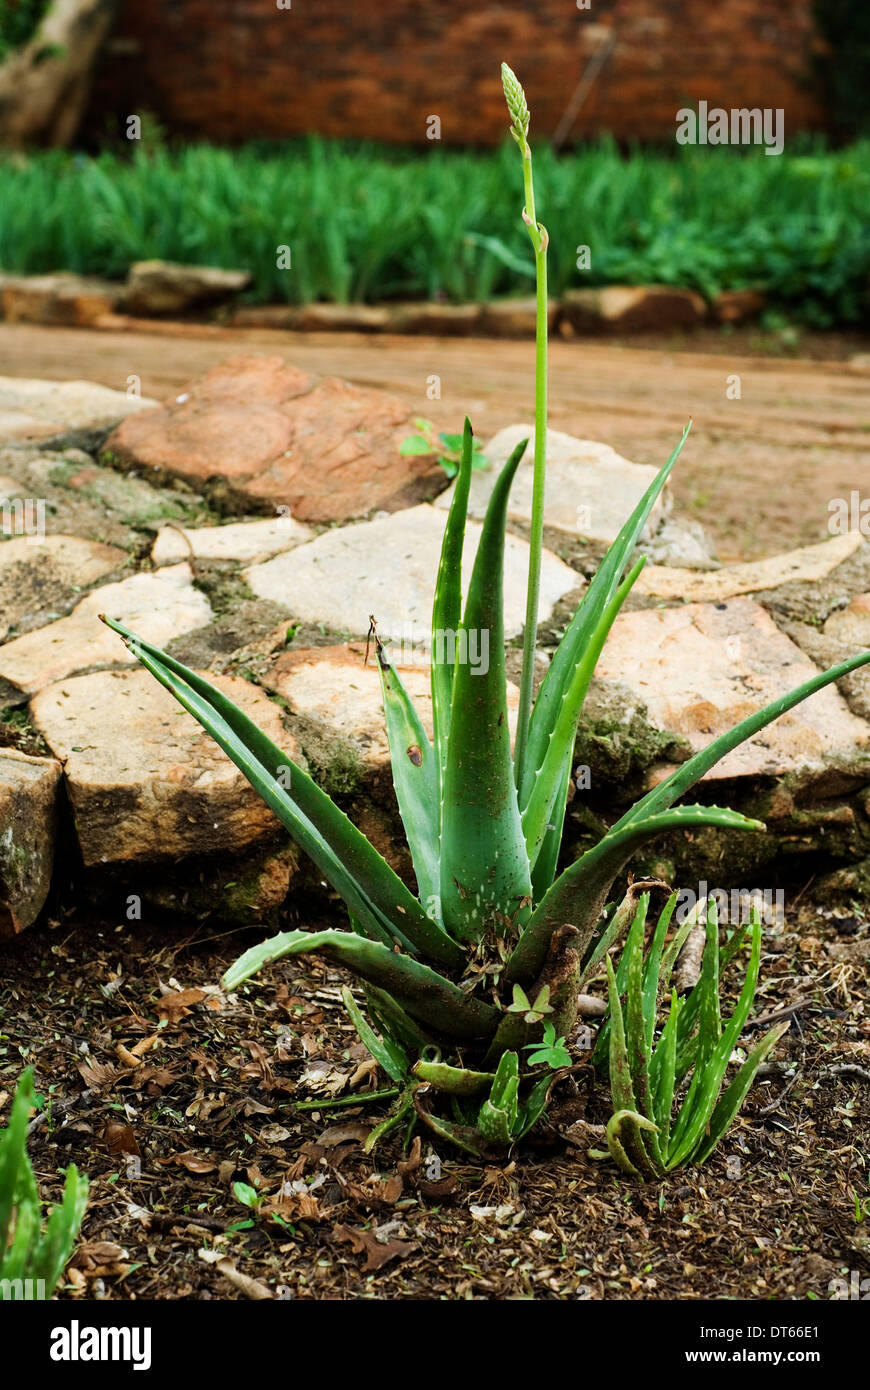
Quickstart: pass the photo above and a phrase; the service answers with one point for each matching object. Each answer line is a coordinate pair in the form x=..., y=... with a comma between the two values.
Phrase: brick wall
x=232, y=69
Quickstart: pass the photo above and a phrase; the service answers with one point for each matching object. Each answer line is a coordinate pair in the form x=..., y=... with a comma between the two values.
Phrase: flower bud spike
x=516, y=103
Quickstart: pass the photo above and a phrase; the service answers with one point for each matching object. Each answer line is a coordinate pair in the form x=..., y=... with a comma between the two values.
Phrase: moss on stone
x=616, y=740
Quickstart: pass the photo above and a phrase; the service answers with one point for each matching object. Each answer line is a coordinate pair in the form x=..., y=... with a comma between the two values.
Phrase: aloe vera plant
x=646, y=1075
x=484, y=823
x=33, y=1255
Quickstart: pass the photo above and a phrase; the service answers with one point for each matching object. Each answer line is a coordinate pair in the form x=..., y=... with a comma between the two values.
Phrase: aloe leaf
x=610, y=932
x=663, y=1076
x=17, y=1183
x=343, y=854
x=541, y=809
x=485, y=875
x=447, y=607
x=735, y=1093
x=634, y=1124
x=693, y=1122
x=675, y=946
x=400, y=1109
x=579, y=893
x=690, y=772
x=620, y=1076
x=455, y=1081
x=635, y=1028
x=709, y=1019
x=465, y=1137
x=687, y=1039
x=17, y=1261
x=535, y=1104
x=415, y=778
x=652, y=967
x=633, y=941
x=394, y=1022
x=391, y=1058
x=579, y=634
x=544, y=867
x=498, y=1115
x=422, y=992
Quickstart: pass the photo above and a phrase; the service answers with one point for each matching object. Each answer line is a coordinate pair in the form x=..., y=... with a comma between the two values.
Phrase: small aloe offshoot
x=468, y=975
x=33, y=1254
x=643, y=1136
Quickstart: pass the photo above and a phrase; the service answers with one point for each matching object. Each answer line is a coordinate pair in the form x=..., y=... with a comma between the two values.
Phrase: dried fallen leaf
x=95, y=1259
x=412, y=1162
x=334, y=1135
x=97, y=1076
x=126, y=1056
x=437, y=1191
x=195, y=1163
x=274, y=1134
x=323, y=1078
x=120, y=1139
x=377, y=1191
x=260, y=1066
x=177, y=1004
x=206, y=1067
x=377, y=1253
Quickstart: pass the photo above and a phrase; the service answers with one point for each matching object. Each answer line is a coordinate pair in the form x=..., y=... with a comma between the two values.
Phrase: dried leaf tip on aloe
x=480, y=968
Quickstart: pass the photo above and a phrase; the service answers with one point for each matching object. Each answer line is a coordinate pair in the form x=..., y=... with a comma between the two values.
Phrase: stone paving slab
x=239, y=540
x=38, y=573
x=36, y=409
x=28, y=823
x=261, y=434
x=388, y=568
x=146, y=783
x=156, y=606
x=808, y=564
x=703, y=667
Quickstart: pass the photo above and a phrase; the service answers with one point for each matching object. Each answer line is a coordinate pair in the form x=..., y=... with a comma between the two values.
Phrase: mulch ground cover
x=170, y=1095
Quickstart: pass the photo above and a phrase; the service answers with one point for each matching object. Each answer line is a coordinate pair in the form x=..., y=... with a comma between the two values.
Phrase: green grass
x=365, y=223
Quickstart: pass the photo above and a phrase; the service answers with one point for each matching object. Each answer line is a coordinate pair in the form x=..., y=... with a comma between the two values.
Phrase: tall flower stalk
x=519, y=113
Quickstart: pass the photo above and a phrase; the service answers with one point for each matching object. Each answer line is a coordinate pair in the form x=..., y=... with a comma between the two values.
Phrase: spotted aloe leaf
x=732, y=1098
x=499, y=1113
x=485, y=874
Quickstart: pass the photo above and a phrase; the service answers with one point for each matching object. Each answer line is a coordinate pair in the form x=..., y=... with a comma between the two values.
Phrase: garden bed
x=212, y=1102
